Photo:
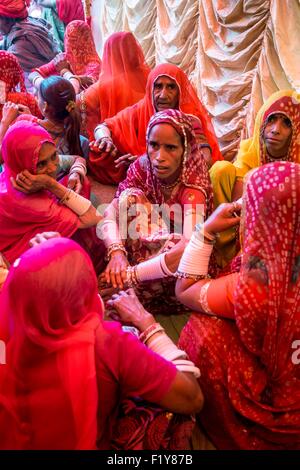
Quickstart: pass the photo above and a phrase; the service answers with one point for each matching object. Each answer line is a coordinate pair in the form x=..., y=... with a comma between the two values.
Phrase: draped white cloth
x=236, y=52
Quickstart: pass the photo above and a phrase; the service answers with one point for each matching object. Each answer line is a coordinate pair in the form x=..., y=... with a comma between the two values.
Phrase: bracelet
x=78, y=204
x=115, y=247
x=194, y=277
x=150, y=331
x=131, y=276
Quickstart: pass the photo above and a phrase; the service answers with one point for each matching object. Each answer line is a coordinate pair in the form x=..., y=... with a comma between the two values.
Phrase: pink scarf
x=48, y=387
x=22, y=216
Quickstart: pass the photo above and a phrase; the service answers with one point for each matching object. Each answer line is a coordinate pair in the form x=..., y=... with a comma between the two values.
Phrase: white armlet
x=153, y=268
x=78, y=204
x=196, y=256
x=102, y=131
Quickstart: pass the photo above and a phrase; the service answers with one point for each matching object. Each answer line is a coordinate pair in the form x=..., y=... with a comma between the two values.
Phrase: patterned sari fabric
x=250, y=376
x=14, y=8
x=80, y=52
x=122, y=81
x=48, y=392
x=142, y=426
x=12, y=75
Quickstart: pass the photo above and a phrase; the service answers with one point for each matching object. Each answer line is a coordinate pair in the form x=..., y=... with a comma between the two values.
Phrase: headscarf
x=252, y=152
x=122, y=81
x=129, y=126
x=14, y=8
x=194, y=170
x=80, y=50
x=267, y=305
x=22, y=216
x=70, y=10
x=48, y=392
x=12, y=75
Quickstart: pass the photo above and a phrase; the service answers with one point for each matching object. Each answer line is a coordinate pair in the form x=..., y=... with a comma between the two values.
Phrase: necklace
x=172, y=185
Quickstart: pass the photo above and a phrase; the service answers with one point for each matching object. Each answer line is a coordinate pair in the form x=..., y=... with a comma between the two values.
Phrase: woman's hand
x=105, y=144
x=125, y=160
x=223, y=218
x=28, y=183
x=43, y=237
x=130, y=310
x=10, y=112
x=74, y=182
x=61, y=62
x=85, y=81
x=115, y=272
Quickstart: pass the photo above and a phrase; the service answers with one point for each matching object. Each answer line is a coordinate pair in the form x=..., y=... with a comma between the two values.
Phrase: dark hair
x=59, y=94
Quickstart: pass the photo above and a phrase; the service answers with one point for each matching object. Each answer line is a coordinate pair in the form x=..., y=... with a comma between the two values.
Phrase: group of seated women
x=190, y=246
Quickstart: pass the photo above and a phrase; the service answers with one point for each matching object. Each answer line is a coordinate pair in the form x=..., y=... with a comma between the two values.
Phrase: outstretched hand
x=43, y=237
x=130, y=310
x=227, y=215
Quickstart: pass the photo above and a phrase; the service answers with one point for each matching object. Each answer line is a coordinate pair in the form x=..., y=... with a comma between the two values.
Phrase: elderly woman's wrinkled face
x=165, y=150
x=165, y=93
x=277, y=135
x=48, y=161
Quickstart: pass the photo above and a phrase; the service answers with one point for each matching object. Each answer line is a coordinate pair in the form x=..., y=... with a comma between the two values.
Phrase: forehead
x=278, y=115
x=164, y=80
x=47, y=150
x=163, y=130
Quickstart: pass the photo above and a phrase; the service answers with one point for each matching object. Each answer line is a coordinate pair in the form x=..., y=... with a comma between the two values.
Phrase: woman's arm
x=193, y=287
x=28, y=183
x=184, y=394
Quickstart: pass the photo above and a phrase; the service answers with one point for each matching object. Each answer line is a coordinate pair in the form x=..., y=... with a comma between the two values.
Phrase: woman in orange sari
x=168, y=87
x=248, y=326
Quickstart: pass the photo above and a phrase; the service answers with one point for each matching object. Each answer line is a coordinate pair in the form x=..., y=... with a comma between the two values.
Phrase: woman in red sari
x=170, y=188
x=14, y=89
x=249, y=369
x=66, y=370
x=167, y=87
x=80, y=57
x=122, y=81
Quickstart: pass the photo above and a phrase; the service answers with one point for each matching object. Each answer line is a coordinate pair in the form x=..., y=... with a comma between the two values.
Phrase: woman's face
x=165, y=93
x=277, y=135
x=48, y=160
x=165, y=150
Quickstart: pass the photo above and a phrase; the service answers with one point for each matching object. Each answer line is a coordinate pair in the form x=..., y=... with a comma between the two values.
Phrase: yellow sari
x=252, y=153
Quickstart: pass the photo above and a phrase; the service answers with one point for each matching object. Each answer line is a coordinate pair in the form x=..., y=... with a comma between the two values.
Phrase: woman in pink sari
x=67, y=371
x=32, y=201
x=248, y=328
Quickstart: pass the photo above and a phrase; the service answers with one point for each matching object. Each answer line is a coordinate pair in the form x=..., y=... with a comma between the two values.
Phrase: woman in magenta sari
x=248, y=328
x=32, y=201
x=62, y=384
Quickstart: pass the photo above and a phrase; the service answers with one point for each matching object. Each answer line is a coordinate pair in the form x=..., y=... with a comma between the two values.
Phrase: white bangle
x=153, y=268
x=102, y=131
x=165, y=347
x=108, y=231
x=78, y=204
x=195, y=259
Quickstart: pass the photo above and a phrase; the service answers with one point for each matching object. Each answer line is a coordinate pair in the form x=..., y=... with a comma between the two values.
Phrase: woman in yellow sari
x=276, y=137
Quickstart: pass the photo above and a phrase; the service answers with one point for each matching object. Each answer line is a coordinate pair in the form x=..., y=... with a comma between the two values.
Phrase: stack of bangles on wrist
x=195, y=259
x=161, y=344
x=115, y=247
x=149, y=270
